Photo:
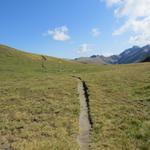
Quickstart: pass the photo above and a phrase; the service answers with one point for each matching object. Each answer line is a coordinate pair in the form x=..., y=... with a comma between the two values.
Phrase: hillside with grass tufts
x=40, y=108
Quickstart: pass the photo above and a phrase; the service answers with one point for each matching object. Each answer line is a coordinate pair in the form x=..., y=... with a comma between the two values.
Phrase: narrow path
x=85, y=122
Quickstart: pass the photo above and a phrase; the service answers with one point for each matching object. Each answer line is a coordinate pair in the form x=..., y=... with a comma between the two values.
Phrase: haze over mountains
x=131, y=55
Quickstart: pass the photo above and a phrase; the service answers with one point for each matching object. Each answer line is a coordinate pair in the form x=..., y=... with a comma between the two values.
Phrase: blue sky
x=71, y=28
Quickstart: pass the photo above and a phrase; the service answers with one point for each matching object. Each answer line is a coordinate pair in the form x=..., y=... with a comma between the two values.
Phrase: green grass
x=39, y=107
x=39, y=112
x=120, y=107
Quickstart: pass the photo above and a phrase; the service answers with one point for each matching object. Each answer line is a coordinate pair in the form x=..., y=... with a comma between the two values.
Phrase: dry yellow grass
x=39, y=107
x=120, y=107
x=39, y=112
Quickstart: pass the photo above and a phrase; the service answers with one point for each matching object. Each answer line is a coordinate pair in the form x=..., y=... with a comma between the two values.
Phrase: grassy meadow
x=39, y=105
x=120, y=107
x=39, y=112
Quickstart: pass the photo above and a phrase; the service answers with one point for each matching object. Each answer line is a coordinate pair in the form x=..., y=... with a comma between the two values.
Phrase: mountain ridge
x=132, y=55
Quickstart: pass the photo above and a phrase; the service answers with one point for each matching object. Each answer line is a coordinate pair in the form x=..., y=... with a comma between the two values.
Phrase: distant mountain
x=98, y=59
x=134, y=54
x=146, y=59
x=131, y=55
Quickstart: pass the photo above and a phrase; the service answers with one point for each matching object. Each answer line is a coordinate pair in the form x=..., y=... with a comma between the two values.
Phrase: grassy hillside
x=38, y=107
x=12, y=60
x=39, y=104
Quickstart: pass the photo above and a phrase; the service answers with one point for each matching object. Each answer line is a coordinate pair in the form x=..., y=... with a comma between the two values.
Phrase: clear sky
x=74, y=28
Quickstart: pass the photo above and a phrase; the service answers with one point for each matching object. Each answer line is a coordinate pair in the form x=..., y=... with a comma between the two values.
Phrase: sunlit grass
x=40, y=112
x=39, y=107
x=120, y=107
